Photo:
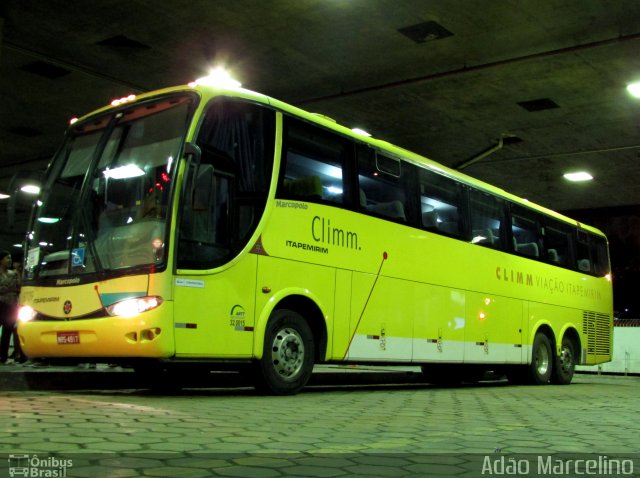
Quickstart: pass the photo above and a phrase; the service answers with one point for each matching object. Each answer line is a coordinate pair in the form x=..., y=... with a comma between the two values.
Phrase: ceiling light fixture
x=578, y=176
x=30, y=189
x=48, y=220
x=425, y=31
x=123, y=172
x=634, y=89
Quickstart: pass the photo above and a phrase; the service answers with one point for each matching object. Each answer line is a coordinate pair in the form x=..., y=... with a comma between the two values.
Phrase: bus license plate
x=65, y=338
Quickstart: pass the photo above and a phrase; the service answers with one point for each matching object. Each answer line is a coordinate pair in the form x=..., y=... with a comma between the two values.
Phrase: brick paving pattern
x=374, y=430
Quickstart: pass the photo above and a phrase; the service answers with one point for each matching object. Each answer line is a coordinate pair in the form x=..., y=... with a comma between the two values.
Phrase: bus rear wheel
x=540, y=368
x=288, y=354
x=539, y=371
x=565, y=363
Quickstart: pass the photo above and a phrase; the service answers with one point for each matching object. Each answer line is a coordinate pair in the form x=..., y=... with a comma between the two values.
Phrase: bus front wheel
x=287, y=357
x=565, y=363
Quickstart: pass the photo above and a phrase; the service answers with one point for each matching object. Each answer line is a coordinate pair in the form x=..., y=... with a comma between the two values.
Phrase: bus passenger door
x=214, y=313
x=214, y=293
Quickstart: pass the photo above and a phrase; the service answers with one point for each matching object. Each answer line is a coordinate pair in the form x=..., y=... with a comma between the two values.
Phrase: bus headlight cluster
x=134, y=306
x=26, y=313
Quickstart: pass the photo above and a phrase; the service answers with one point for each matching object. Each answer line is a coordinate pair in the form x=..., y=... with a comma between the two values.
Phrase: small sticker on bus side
x=197, y=284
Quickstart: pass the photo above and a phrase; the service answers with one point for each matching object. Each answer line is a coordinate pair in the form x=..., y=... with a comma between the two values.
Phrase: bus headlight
x=134, y=306
x=26, y=313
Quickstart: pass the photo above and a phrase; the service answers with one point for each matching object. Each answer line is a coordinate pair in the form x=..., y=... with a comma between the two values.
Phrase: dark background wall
x=622, y=227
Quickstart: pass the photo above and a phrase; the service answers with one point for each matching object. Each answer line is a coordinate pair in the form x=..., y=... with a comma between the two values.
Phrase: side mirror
x=193, y=153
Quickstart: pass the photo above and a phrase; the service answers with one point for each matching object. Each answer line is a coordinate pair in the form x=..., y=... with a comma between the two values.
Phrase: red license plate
x=65, y=338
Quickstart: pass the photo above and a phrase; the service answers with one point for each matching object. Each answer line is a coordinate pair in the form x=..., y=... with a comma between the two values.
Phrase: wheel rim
x=566, y=359
x=287, y=353
x=542, y=361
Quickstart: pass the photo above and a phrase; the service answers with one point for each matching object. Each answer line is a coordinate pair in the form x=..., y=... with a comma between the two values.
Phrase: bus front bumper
x=149, y=335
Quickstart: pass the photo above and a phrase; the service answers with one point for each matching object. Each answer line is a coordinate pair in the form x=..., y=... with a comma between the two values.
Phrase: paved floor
x=345, y=425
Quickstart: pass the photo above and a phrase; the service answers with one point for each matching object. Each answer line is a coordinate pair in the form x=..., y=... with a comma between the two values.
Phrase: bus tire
x=565, y=363
x=541, y=366
x=288, y=354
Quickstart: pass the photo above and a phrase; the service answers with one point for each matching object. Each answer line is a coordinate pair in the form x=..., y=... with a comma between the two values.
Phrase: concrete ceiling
x=450, y=92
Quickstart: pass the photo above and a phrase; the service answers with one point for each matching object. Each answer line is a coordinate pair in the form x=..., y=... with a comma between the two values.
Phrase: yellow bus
x=216, y=227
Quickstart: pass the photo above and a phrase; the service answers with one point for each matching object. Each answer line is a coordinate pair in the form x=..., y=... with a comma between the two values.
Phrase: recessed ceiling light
x=46, y=69
x=121, y=42
x=634, y=89
x=425, y=31
x=30, y=189
x=49, y=220
x=540, y=104
x=578, y=176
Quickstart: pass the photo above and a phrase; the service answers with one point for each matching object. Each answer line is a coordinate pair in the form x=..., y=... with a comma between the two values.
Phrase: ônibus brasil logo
x=33, y=466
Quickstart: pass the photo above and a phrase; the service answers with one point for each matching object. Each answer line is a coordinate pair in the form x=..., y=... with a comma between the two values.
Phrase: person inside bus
x=9, y=287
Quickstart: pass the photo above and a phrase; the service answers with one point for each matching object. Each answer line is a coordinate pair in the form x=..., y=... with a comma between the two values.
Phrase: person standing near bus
x=9, y=287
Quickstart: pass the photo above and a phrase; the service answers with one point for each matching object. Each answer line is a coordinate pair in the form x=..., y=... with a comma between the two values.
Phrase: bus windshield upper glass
x=104, y=205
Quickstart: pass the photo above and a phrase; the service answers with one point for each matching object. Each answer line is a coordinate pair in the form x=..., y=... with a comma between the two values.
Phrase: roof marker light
x=124, y=99
x=217, y=77
x=361, y=132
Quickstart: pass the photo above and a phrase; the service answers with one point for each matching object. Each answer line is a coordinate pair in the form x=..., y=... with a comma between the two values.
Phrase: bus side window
x=313, y=162
x=440, y=200
x=557, y=240
x=203, y=230
x=583, y=256
x=525, y=233
x=381, y=190
x=600, y=255
x=592, y=254
x=487, y=219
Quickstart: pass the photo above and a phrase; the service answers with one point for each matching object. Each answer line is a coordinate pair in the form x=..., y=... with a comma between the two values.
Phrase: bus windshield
x=104, y=205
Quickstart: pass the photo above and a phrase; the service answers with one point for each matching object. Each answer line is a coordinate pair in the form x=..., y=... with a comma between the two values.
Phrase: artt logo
x=67, y=307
